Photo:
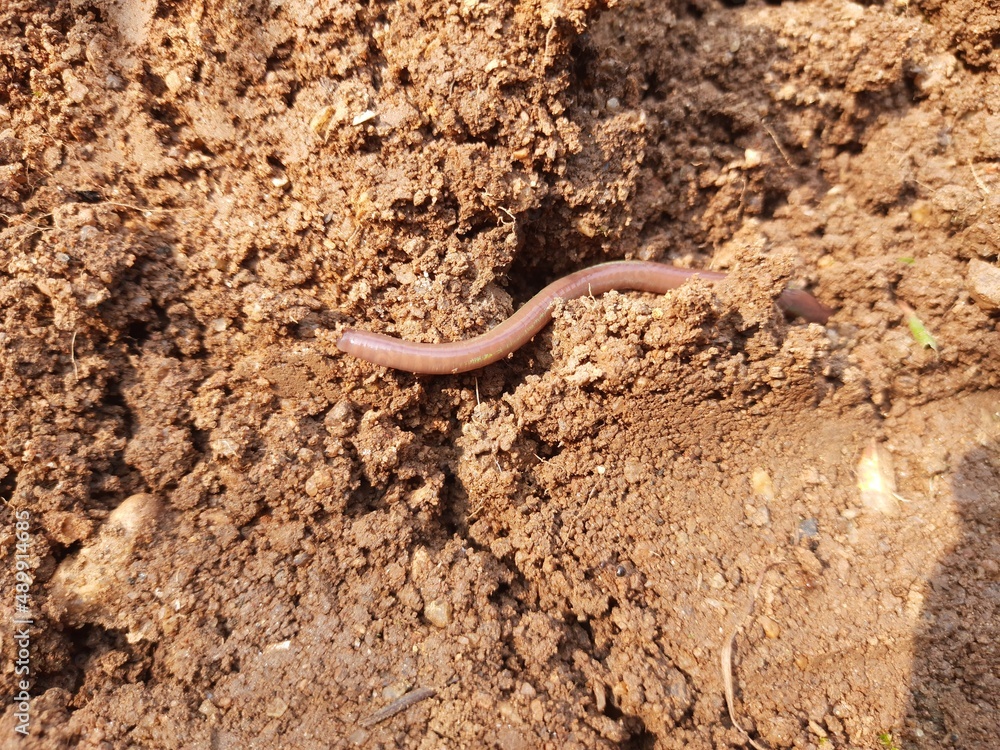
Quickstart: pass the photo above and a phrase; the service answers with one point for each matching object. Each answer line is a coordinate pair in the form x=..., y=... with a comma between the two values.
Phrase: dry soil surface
x=239, y=538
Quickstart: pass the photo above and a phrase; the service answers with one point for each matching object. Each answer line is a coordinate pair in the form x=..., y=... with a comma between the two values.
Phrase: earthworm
x=519, y=328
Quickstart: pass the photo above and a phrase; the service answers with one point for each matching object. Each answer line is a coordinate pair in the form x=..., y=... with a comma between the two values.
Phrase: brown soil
x=242, y=538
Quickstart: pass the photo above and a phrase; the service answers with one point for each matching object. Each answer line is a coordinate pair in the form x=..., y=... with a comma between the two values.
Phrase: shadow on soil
x=955, y=683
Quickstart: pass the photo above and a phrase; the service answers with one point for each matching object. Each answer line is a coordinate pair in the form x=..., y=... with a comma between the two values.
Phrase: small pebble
x=816, y=729
x=762, y=485
x=983, y=282
x=809, y=528
x=438, y=613
x=320, y=481
x=276, y=708
x=76, y=92
x=173, y=81
x=341, y=420
x=770, y=627
x=82, y=582
x=600, y=697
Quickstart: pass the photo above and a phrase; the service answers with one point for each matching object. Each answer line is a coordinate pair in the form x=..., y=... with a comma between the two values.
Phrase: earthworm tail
x=519, y=328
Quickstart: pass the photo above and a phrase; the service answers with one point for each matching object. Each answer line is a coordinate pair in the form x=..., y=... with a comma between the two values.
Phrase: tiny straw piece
x=726, y=657
x=519, y=328
x=72, y=356
x=398, y=706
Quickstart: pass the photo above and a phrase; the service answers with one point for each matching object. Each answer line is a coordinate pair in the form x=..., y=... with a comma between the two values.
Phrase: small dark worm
x=519, y=328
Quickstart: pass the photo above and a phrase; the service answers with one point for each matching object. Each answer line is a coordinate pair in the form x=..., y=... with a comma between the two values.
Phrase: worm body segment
x=519, y=328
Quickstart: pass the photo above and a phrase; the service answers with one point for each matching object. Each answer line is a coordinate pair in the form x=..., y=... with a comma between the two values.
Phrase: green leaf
x=920, y=333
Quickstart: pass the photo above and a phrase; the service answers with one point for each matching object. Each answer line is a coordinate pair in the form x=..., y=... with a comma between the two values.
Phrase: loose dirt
x=239, y=537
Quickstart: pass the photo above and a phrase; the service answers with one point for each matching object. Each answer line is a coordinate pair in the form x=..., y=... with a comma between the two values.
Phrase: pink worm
x=519, y=328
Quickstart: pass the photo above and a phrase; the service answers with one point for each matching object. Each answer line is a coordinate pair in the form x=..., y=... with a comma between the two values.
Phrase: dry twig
x=399, y=705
